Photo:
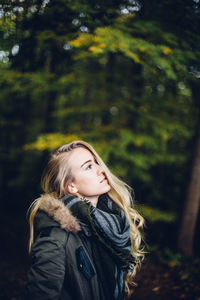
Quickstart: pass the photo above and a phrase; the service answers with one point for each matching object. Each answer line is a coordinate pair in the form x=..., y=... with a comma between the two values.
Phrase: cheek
x=88, y=182
x=85, y=181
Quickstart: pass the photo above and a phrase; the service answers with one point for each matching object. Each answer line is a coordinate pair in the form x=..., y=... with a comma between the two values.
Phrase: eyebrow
x=86, y=162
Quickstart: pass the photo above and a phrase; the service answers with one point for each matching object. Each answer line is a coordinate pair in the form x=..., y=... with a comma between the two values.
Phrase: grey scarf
x=109, y=225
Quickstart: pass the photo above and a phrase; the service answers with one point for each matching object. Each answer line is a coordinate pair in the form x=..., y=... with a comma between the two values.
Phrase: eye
x=96, y=162
x=89, y=167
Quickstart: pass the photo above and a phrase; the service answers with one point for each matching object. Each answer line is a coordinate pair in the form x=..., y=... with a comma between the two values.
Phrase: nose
x=99, y=170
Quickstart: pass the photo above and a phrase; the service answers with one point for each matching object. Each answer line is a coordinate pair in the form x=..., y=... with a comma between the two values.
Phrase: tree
x=118, y=74
x=186, y=28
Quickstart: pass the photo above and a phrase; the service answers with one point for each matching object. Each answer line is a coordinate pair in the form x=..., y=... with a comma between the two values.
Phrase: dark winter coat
x=64, y=263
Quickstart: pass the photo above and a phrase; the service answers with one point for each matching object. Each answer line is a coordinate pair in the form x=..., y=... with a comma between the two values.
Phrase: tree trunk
x=192, y=203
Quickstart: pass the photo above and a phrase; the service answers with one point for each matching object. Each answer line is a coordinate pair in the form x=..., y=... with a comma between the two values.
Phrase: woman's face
x=89, y=179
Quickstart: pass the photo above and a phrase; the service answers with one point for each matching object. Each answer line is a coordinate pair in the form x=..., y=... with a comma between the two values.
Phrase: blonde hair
x=55, y=178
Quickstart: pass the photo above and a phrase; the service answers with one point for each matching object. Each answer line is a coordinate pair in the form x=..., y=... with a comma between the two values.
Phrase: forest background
x=124, y=76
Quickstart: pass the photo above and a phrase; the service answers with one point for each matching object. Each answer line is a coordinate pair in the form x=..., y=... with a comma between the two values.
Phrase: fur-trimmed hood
x=60, y=213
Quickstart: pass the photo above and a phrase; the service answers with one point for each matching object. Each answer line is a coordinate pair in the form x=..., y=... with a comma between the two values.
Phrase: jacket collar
x=57, y=210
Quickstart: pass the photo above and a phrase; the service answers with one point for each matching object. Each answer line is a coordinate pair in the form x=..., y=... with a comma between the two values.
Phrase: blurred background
x=123, y=75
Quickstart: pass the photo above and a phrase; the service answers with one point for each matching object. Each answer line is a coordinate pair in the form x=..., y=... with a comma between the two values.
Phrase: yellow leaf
x=172, y=263
x=77, y=42
x=96, y=38
x=102, y=45
x=167, y=50
x=142, y=49
x=138, y=142
x=156, y=289
x=95, y=49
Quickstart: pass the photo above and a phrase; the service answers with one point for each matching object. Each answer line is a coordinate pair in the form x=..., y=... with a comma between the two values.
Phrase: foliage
x=154, y=214
x=50, y=141
x=162, y=53
x=120, y=75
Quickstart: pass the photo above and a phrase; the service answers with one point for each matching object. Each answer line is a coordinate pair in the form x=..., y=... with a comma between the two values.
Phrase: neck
x=92, y=199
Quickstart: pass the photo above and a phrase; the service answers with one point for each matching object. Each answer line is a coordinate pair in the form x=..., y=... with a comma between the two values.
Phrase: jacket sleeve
x=46, y=275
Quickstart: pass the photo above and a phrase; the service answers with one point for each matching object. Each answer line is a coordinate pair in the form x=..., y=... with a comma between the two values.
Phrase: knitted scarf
x=110, y=241
x=109, y=225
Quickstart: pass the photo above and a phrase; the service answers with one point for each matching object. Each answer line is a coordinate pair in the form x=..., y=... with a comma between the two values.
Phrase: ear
x=71, y=187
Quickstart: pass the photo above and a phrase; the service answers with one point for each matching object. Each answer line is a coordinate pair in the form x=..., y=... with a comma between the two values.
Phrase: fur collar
x=56, y=209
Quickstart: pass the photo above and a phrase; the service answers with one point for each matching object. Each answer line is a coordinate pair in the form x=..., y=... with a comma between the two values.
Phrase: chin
x=107, y=189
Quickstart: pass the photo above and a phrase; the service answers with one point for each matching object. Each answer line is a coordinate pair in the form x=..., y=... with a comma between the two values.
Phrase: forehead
x=80, y=156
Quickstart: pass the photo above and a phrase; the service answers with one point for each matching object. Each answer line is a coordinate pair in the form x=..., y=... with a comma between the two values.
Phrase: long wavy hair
x=58, y=173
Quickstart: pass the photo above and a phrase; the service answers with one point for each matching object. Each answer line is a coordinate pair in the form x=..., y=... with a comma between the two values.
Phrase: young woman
x=84, y=235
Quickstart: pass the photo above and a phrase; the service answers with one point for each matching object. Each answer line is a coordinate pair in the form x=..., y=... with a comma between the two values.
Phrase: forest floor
x=168, y=282
x=155, y=280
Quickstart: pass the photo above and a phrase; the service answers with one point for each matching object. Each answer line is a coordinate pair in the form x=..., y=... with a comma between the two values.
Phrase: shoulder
x=53, y=209
x=47, y=231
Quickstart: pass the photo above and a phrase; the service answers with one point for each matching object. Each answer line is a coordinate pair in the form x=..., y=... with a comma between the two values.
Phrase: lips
x=103, y=179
